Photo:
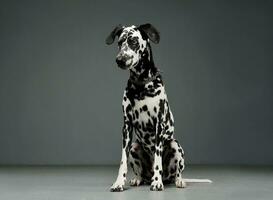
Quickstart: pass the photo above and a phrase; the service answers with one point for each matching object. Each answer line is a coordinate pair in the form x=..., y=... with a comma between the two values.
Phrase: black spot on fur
x=131, y=164
x=137, y=163
x=158, y=92
x=158, y=135
x=123, y=143
x=134, y=155
x=143, y=126
x=145, y=108
x=153, y=148
x=160, y=152
x=161, y=106
x=146, y=139
x=136, y=112
x=128, y=108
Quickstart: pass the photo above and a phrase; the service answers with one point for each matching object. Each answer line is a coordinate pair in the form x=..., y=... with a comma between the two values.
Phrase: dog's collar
x=144, y=82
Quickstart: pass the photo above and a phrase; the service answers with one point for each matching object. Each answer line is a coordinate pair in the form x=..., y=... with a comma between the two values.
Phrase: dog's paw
x=136, y=181
x=117, y=187
x=180, y=183
x=157, y=186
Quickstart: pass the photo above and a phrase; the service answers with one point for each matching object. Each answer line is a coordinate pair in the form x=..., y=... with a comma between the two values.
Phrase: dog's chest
x=145, y=114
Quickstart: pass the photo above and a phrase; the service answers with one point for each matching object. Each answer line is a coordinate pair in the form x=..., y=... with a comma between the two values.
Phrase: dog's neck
x=145, y=71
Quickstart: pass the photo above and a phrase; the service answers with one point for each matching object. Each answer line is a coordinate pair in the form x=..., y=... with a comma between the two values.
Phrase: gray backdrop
x=61, y=91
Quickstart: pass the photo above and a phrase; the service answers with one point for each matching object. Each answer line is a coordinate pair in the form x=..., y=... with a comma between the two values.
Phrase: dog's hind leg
x=139, y=161
x=174, y=163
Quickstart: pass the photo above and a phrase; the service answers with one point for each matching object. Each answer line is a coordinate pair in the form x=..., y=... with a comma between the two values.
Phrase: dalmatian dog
x=155, y=156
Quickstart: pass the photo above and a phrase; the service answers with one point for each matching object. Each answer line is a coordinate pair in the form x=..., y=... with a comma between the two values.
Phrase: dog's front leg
x=118, y=185
x=157, y=184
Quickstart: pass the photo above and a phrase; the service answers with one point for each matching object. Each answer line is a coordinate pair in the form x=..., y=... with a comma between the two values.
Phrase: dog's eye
x=132, y=41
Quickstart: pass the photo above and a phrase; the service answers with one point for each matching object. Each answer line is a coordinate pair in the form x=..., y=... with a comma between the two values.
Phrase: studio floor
x=93, y=182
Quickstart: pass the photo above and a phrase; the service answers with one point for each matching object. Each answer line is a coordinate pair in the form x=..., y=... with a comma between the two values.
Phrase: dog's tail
x=194, y=180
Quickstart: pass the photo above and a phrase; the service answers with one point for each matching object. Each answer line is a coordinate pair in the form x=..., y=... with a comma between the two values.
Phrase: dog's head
x=133, y=41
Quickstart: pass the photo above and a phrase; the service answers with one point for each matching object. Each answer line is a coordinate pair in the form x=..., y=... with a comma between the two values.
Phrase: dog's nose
x=121, y=61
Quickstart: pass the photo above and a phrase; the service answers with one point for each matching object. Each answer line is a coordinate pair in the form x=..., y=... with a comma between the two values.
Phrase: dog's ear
x=116, y=32
x=150, y=32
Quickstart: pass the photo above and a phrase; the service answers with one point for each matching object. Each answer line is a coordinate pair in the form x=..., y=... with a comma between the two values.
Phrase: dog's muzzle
x=122, y=61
